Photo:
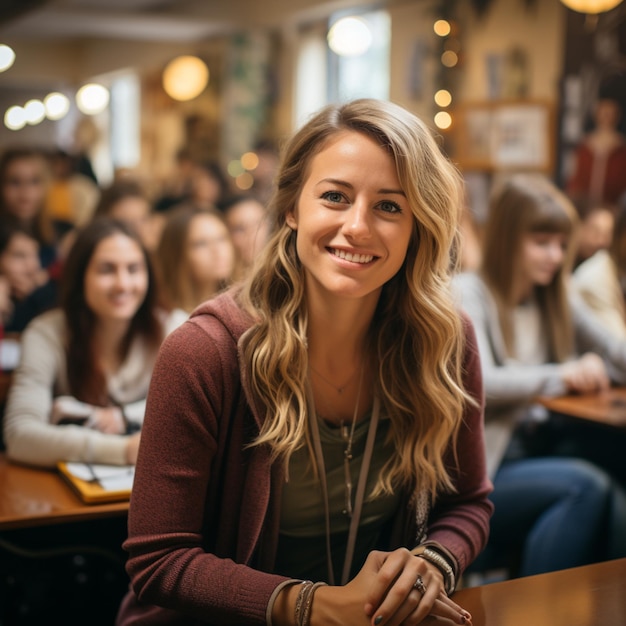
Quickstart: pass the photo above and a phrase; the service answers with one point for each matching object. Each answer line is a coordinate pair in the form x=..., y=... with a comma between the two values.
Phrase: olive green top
x=302, y=541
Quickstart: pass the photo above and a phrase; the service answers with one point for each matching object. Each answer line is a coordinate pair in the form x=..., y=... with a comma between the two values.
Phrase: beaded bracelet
x=304, y=602
x=304, y=588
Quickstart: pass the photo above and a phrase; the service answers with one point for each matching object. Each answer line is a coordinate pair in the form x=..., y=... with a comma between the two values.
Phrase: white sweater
x=511, y=386
x=41, y=376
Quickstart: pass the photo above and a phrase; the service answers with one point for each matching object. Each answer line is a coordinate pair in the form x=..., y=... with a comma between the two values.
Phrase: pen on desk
x=94, y=476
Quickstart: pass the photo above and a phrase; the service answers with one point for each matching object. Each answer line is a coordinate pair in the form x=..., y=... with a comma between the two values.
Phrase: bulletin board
x=501, y=136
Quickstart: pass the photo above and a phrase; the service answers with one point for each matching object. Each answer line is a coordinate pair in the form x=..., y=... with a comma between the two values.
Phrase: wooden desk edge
x=91, y=511
x=72, y=509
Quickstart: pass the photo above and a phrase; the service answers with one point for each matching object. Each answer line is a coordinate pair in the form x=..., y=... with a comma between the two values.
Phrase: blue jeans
x=555, y=513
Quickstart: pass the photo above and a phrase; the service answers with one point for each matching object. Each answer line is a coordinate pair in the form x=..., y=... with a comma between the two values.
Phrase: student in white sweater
x=534, y=339
x=601, y=279
x=79, y=391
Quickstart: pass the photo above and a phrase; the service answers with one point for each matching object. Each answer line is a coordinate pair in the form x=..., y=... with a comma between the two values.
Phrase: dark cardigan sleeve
x=460, y=521
x=173, y=558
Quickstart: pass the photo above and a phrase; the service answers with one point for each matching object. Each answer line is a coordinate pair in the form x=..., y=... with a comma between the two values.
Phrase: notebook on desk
x=96, y=483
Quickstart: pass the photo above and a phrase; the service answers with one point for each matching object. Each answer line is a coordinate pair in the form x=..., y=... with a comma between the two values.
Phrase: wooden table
x=607, y=408
x=594, y=595
x=34, y=497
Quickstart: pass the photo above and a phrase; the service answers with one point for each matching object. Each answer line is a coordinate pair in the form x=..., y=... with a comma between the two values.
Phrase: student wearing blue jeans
x=552, y=508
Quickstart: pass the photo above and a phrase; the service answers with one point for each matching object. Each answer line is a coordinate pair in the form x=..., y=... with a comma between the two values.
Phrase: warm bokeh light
x=449, y=58
x=244, y=181
x=15, y=118
x=92, y=99
x=7, y=57
x=185, y=78
x=443, y=120
x=442, y=28
x=591, y=6
x=443, y=98
x=349, y=36
x=35, y=112
x=235, y=168
x=57, y=105
x=250, y=160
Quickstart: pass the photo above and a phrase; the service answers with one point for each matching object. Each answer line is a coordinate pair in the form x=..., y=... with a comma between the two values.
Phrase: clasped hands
x=384, y=593
x=586, y=374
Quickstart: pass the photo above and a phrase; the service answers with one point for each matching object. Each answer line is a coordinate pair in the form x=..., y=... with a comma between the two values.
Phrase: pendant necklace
x=348, y=437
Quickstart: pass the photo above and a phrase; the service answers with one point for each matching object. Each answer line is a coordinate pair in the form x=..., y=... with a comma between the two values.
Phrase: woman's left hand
x=396, y=596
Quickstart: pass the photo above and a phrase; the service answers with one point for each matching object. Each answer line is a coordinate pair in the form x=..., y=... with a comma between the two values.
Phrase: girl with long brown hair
x=535, y=339
x=79, y=391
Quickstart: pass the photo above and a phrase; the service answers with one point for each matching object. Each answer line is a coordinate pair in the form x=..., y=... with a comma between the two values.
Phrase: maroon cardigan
x=204, y=512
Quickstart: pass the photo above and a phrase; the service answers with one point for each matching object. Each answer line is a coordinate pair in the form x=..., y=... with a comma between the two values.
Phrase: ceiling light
x=442, y=28
x=92, y=99
x=15, y=118
x=449, y=58
x=35, y=112
x=443, y=98
x=591, y=6
x=7, y=57
x=443, y=120
x=349, y=37
x=57, y=105
x=185, y=77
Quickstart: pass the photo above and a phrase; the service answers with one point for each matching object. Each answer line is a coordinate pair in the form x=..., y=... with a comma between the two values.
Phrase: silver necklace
x=360, y=492
x=348, y=438
x=340, y=389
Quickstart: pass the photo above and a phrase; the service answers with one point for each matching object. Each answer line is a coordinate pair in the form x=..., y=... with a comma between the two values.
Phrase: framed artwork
x=505, y=135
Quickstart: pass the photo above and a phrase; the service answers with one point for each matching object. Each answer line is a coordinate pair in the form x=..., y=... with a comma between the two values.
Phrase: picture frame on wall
x=504, y=136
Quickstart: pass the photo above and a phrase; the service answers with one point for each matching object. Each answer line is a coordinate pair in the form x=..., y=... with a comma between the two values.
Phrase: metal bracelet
x=442, y=564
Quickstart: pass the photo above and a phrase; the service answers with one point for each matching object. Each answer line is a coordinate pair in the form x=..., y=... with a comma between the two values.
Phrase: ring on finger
x=419, y=584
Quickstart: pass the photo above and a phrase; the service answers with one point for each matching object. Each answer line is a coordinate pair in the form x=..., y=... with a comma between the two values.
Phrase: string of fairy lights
x=186, y=77
x=91, y=99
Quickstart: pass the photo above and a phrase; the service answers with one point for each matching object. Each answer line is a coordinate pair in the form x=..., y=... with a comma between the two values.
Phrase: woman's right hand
x=586, y=374
x=346, y=605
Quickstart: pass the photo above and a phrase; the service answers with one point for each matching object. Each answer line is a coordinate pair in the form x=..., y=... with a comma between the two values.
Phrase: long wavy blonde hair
x=416, y=339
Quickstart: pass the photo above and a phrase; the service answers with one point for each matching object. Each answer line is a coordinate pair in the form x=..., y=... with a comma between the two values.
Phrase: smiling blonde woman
x=323, y=460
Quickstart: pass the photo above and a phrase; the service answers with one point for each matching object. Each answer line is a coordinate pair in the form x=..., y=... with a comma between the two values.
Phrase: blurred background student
x=601, y=279
x=600, y=159
x=79, y=391
x=177, y=189
x=127, y=201
x=208, y=185
x=24, y=180
x=595, y=230
x=534, y=340
x=195, y=258
x=72, y=196
x=26, y=290
x=248, y=222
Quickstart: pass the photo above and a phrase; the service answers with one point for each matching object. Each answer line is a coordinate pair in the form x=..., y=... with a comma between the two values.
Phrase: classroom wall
x=414, y=61
x=416, y=71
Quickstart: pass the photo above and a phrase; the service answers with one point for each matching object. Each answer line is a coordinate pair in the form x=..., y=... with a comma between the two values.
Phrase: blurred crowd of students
x=92, y=278
x=106, y=275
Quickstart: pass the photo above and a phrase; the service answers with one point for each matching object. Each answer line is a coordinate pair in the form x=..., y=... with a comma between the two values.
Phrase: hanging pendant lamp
x=591, y=7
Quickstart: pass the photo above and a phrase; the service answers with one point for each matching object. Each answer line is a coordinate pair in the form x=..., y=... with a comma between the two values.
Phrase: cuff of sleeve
x=107, y=449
